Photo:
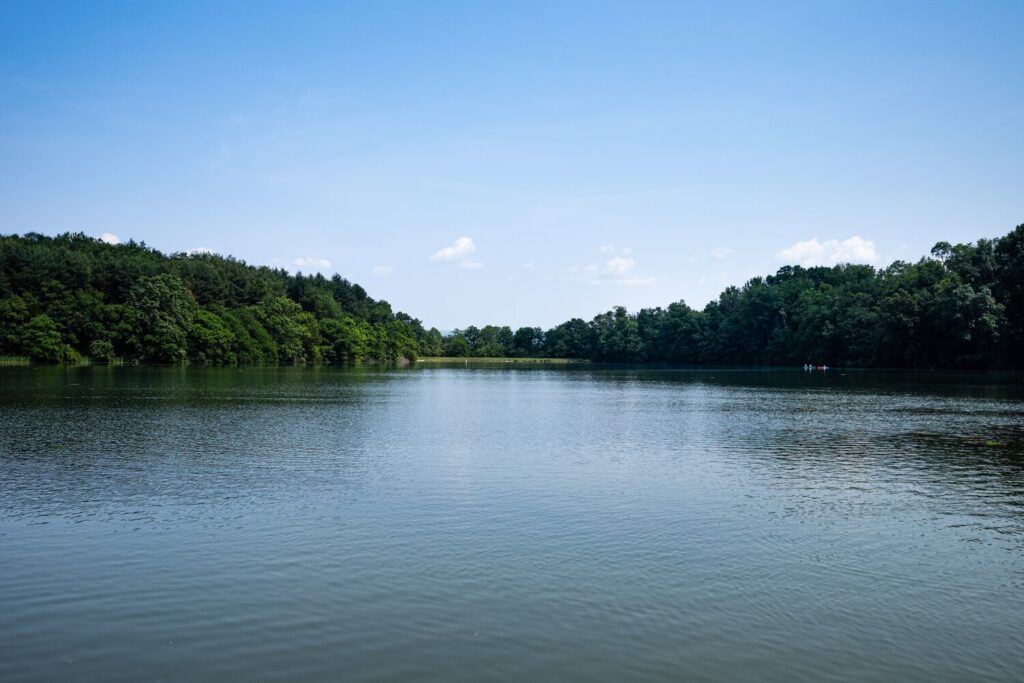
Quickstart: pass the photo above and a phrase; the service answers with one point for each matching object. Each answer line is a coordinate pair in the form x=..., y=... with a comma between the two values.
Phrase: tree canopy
x=64, y=296
x=60, y=297
x=960, y=307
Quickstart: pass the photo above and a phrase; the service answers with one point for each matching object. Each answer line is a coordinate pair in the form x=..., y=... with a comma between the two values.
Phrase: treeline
x=65, y=297
x=962, y=307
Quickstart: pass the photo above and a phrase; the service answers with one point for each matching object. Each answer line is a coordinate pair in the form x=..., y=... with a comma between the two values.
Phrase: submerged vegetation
x=68, y=298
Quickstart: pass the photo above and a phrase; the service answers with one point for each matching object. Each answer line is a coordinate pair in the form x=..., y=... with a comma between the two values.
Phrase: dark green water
x=461, y=524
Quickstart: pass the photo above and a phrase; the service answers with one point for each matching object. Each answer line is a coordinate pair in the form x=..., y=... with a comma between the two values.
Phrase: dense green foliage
x=62, y=297
x=962, y=307
x=67, y=296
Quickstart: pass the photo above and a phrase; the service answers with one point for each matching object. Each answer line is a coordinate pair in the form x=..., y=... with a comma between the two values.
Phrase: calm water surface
x=493, y=524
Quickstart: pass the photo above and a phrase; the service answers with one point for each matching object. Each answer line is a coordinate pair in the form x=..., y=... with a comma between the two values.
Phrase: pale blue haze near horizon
x=589, y=154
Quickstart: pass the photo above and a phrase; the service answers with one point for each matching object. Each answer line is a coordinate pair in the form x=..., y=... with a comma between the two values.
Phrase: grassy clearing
x=499, y=359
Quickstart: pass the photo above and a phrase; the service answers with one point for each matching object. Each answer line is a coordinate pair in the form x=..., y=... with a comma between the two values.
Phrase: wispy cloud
x=110, y=238
x=618, y=269
x=383, y=271
x=637, y=281
x=315, y=262
x=199, y=250
x=720, y=253
x=618, y=265
x=813, y=252
x=458, y=252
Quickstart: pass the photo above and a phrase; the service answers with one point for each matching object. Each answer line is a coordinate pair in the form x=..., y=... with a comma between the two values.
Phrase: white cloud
x=461, y=248
x=459, y=251
x=606, y=249
x=720, y=252
x=199, y=250
x=618, y=266
x=110, y=238
x=528, y=266
x=314, y=262
x=812, y=252
x=383, y=271
x=616, y=270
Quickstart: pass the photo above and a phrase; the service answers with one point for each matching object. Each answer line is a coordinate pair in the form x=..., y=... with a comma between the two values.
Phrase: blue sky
x=517, y=164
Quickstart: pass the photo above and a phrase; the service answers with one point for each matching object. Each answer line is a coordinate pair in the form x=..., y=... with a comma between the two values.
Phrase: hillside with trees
x=67, y=297
x=961, y=307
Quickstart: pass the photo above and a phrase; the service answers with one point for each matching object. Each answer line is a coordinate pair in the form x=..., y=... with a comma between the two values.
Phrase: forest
x=71, y=296
x=68, y=298
x=961, y=307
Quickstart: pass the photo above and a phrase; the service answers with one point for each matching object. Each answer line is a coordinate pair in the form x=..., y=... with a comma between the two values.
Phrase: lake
x=469, y=523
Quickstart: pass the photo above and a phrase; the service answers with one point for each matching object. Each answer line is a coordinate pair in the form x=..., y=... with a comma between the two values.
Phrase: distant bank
x=500, y=359
x=74, y=299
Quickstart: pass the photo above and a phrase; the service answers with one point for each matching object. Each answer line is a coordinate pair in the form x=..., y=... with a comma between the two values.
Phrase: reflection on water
x=570, y=523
